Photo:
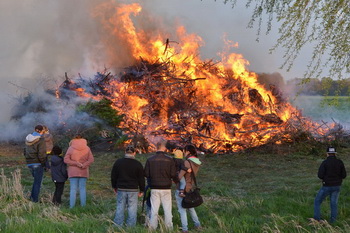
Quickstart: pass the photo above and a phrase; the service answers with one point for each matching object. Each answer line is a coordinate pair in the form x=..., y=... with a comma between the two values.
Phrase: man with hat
x=331, y=172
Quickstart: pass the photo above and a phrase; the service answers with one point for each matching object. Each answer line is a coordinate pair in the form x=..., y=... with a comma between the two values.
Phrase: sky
x=43, y=39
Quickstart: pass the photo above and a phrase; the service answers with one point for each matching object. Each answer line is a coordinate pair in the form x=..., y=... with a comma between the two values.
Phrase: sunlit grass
x=243, y=192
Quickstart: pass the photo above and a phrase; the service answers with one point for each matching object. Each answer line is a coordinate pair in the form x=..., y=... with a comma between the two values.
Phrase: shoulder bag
x=192, y=198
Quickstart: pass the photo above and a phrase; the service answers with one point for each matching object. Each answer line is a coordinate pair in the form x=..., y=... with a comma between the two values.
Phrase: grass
x=259, y=191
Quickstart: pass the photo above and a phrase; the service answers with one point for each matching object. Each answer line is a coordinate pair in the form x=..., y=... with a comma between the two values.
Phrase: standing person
x=78, y=158
x=48, y=139
x=331, y=172
x=35, y=154
x=160, y=172
x=58, y=174
x=194, y=163
x=179, y=165
x=49, y=145
x=128, y=182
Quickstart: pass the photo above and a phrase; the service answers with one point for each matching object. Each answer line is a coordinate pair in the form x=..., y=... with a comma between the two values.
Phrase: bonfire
x=170, y=91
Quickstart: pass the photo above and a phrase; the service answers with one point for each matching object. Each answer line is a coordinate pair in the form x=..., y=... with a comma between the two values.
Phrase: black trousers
x=58, y=193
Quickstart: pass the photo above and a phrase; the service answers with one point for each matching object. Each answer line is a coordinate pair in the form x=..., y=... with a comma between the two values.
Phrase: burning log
x=171, y=92
x=171, y=104
x=255, y=98
x=272, y=118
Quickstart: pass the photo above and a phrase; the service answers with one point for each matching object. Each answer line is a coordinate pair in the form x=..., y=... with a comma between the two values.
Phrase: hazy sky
x=45, y=38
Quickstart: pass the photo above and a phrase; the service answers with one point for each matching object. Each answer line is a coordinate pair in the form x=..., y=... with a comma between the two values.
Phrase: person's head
x=39, y=129
x=190, y=150
x=45, y=128
x=161, y=145
x=56, y=150
x=331, y=151
x=178, y=154
x=130, y=151
x=78, y=136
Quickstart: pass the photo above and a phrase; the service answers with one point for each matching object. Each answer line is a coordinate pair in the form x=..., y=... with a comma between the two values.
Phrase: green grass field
x=261, y=191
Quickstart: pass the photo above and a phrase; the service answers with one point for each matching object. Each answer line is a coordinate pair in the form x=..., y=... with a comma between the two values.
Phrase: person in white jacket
x=35, y=154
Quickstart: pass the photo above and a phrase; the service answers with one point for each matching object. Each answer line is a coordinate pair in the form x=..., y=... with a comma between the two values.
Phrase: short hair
x=161, y=144
x=39, y=128
x=56, y=150
x=129, y=149
x=191, y=149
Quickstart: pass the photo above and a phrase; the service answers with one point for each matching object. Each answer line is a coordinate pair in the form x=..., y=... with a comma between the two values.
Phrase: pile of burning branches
x=214, y=108
x=169, y=91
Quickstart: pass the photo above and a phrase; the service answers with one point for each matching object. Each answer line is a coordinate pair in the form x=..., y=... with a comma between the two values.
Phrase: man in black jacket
x=128, y=181
x=160, y=172
x=35, y=154
x=332, y=172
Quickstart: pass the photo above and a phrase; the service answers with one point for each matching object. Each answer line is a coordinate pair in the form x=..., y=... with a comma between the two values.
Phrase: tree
x=107, y=125
x=324, y=24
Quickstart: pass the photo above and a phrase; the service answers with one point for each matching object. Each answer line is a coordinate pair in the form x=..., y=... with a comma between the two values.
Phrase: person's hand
x=140, y=194
x=115, y=190
x=80, y=165
x=189, y=170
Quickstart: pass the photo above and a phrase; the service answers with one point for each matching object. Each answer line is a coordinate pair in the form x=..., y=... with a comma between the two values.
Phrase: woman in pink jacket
x=78, y=158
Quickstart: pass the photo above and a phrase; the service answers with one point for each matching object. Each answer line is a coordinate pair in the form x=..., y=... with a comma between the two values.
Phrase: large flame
x=169, y=90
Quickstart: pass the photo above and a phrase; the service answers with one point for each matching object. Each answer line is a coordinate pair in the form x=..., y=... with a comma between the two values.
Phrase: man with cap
x=331, y=172
x=128, y=182
x=35, y=154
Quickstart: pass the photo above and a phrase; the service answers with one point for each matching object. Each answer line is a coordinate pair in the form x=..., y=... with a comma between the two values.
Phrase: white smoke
x=44, y=39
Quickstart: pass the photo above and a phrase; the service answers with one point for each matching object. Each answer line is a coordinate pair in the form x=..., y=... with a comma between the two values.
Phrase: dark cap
x=331, y=150
x=129, y=149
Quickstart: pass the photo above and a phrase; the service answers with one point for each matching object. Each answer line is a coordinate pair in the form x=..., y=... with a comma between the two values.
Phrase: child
x=58, y=173
x=179, y=163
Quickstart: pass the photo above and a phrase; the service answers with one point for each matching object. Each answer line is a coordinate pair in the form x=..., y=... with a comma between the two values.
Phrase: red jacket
x=78, y=158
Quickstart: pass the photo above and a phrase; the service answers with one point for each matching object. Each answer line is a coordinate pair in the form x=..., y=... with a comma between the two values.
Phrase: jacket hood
x=79, y=144
x=195, y=160
x=31, y=139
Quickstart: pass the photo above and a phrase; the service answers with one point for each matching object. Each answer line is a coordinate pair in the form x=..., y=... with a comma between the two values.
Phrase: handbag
x=192, y=198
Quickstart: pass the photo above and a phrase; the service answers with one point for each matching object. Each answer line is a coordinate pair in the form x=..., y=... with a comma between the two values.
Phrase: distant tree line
x=313, y=86
x=324, y=87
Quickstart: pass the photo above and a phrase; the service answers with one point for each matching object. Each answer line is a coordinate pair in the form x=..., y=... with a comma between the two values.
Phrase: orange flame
x=231, y=107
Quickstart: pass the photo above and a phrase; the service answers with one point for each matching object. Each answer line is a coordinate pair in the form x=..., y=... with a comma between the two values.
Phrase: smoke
x=41, y=40
x=319, y=109
x=42, y=107
x=44, y=39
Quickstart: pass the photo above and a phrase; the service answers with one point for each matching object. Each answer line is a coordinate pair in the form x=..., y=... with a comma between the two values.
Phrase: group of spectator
x=42, y=155
x=129, y=177
x=160, y=171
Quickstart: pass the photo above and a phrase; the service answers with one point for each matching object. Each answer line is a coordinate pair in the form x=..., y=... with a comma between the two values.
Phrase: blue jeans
x=75, y=183
x=333, y=192
x=182, y=184
x=183, y=213
x=37, y=172
x=128, y=200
